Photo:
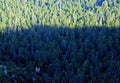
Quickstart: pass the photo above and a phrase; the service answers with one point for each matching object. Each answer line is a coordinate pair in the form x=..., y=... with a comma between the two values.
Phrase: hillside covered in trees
x=59, y=41
x=68, y=13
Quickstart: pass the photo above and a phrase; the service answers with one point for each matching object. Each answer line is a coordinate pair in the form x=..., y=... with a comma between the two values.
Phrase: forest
x=59, y=41
x=70, y=13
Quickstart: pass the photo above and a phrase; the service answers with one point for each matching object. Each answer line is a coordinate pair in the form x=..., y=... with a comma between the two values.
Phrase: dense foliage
x=59, y=41
x=79, y=55
x=70, y=13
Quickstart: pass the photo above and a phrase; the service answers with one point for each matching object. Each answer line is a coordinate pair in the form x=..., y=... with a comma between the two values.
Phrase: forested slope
x=87, y=55
x=60, y=13
x=59, y=41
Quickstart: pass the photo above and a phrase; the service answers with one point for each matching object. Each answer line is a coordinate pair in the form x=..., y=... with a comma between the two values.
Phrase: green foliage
x=37, y=33
x=63, y=54
x=58, y=13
